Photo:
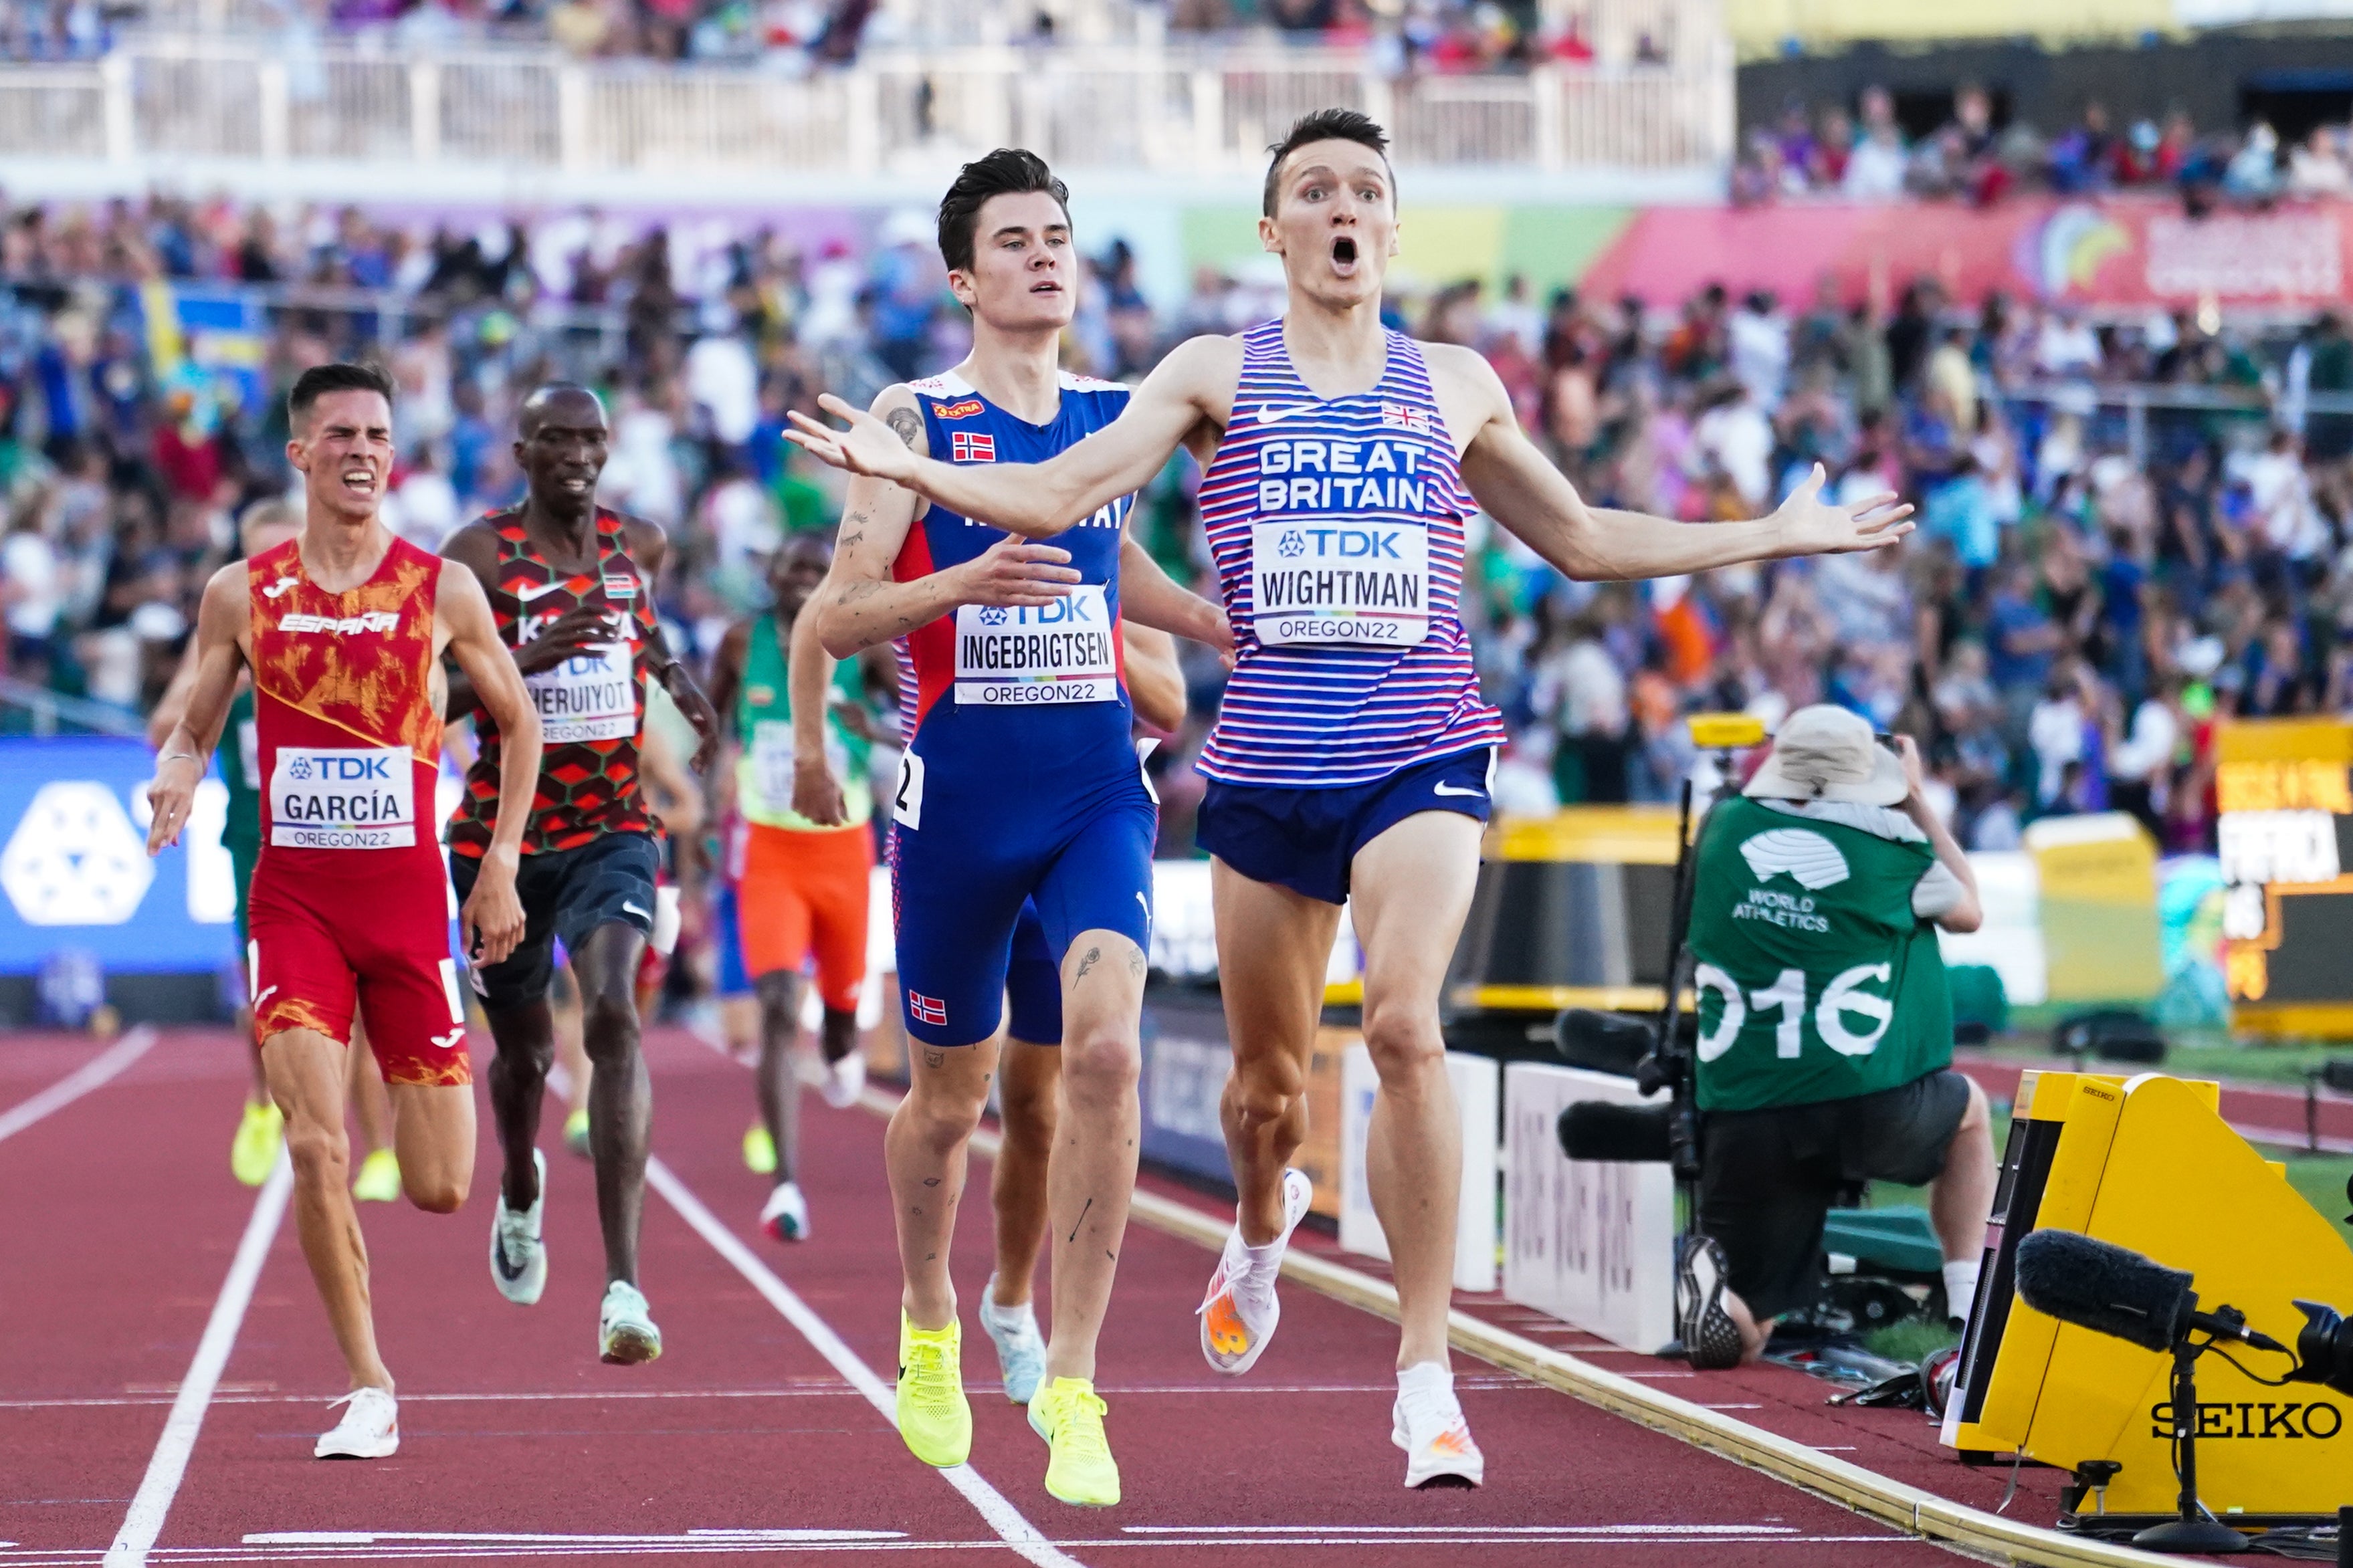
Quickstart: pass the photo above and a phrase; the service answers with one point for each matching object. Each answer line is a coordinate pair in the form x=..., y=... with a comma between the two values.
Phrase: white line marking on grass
x=78, y=1082
x=170, y=1462
x=1001, y=1516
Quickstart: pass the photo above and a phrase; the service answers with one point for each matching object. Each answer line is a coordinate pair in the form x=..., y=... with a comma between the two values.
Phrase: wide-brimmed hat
x=1826, y=752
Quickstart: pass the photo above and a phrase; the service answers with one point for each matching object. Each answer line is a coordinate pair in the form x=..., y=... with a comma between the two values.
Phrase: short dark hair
x=322, y=379
x=1009, y=171
x=1326, y=125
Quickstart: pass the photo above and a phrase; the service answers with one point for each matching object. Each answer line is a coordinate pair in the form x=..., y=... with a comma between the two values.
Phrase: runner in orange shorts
x=803, y=857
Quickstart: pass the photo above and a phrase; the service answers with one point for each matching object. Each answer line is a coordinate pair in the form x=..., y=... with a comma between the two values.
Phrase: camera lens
x=2324, y=1348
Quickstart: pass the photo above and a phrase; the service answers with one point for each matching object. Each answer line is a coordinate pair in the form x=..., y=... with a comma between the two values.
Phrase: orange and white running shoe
x=1238, y=1314
x=1427, y=1423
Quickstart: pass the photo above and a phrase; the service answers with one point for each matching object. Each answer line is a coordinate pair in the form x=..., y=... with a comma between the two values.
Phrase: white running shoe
x=845, y=1080
x=1020, y=1348
x=1238, y=1315
x=370, y=1428
x=785, y=1215
x=1427, y=1423
x=518, y=1256
x=626, y=1334
x=1711, y=1339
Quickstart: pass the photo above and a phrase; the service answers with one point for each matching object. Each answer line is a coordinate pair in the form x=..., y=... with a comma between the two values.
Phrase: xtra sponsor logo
x=964, y=410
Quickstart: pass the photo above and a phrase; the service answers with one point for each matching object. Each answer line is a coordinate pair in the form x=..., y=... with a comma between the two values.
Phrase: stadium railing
x=2138, y=418
x=1168, y=106
x=29, y=710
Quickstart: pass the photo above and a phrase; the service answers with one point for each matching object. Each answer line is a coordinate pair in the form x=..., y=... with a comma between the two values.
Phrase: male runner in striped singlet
x=572, y=585
x=343, y=630
x=1019, y=784
x=1351, y=755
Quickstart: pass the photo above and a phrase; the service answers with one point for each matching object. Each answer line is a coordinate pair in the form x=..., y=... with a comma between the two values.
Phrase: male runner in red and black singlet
x=572, y=587
x=344, y=629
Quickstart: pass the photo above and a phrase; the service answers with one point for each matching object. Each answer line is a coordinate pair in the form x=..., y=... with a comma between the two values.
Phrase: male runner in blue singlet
x=1351, y=755
x=1019, y=784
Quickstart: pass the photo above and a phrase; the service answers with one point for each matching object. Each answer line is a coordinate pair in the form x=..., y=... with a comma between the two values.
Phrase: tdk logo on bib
x=1334, y=580
x=343, y=797
x=1032, y=655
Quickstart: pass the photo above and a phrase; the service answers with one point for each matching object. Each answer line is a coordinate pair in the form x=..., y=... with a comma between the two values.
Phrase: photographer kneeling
x=1825, y=1028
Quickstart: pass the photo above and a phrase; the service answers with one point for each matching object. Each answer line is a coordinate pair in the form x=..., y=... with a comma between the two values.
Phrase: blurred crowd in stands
x=1414, y=35
x=1861, y=153
x=2087, y=592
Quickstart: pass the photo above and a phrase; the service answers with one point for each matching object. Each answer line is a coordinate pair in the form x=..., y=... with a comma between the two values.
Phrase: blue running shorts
x=1306, y=839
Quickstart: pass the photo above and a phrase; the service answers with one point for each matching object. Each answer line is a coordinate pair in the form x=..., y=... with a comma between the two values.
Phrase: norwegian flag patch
x=928, y=1009
x=972, y=447
x=1404, y=416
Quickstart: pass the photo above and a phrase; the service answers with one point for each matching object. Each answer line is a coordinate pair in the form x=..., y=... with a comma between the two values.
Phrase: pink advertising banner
x=2116, y=251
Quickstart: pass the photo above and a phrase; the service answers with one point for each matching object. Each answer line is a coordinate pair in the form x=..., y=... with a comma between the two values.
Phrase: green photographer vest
x=1816, y=981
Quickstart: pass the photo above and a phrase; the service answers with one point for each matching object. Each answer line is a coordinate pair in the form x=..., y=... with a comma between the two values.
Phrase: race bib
x=1034, y=655
x=773, y=754
x=343, y=797
x=591, y=696
x=1340, y=580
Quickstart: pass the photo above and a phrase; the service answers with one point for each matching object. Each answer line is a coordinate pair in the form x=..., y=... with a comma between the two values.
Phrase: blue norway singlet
x=1019, y=691
x=1336, y=528
x=1021, y=817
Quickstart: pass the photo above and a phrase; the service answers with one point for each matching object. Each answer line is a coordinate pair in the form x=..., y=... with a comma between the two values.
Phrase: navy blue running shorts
x=1033, y=985
x=1306, y=839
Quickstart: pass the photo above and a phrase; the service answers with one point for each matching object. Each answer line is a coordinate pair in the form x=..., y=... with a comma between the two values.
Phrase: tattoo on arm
x=906, y=424
x=854, y=592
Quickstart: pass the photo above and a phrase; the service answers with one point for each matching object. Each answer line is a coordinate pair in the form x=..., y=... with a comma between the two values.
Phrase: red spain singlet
x=350, y=902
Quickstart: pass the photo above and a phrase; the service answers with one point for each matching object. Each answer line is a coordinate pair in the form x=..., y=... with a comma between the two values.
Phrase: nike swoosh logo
x=506, y=1272
x=1277, y=415
x=635, y=911
x=1450, y=789
x=525, y=592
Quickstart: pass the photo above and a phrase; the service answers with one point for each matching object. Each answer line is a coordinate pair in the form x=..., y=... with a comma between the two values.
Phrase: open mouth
x=1047, y=287
x=360, y=481
x=577, y=484
x=1344, y=253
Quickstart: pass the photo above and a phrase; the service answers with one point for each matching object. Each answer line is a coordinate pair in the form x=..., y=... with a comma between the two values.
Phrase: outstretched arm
x=1038, y=501
x=180, y=761
x=860, y=605
x=1514, y=485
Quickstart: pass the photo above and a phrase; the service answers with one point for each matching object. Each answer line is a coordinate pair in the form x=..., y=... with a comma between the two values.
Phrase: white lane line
x=170, y=1463
x=78, y=1082
x=1001, y=1516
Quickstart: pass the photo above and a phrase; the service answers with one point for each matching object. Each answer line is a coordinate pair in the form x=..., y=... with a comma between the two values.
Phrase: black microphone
x=2112, y=1289
x=1605, y=1129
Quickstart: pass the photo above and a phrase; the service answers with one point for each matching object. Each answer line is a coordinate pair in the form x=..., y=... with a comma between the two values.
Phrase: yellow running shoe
x=1069, y=1414
x=932, y=1416
x=379, y=1178
x=759, y=1150
x=255, y=1148
x=575, y=1132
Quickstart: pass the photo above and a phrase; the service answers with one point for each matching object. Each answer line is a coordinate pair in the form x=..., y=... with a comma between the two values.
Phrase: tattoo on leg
x=1087, y=962
x=906, y=424
x=1079, y=1221
x=1135, y=964
x=935, y=1058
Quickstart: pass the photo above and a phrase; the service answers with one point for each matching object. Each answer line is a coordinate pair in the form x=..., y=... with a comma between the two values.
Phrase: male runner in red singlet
x=572, y=585
x=344, y=629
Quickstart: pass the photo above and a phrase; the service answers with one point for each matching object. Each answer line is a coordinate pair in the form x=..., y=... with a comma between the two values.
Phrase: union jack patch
x=1404, y=416
x=972, y=447
x=928, y=1009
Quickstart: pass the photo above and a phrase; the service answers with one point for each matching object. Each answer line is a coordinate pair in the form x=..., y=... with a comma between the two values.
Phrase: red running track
x=123, y=1220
